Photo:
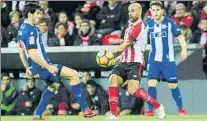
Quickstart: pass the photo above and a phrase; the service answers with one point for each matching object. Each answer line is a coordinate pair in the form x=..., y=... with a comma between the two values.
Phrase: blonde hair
x=12, y=13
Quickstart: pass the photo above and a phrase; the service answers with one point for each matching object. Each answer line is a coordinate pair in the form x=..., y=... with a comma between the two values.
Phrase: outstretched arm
x=122, y=47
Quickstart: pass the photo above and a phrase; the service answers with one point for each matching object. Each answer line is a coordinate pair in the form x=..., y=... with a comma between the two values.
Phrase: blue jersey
x=161, y=39
x=28, y=38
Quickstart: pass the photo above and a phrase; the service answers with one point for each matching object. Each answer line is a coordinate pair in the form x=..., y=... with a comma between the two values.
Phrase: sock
x=78, y=92
x=46, y=96
x=152, y=91
x=113, y=100
x=62, y=106
x=177, y=97
x=146, y=97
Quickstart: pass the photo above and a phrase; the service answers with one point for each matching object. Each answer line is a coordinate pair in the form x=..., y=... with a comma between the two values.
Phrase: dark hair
x=78, y=14
x=44, y=20
x=4, y=74
x=30, y=8
x=157, y=3
x=92, y=83
x=86, y=21
x=59, y=24
x=63, y=12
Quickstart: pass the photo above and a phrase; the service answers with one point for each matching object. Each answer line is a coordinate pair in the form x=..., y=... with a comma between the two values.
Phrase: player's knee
x=152, y=83
x=75, y=76
x=132, y=91
x=172, y=85
x=132, y=87
x=113, y=80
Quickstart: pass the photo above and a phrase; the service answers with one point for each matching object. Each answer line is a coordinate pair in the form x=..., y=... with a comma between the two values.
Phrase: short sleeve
x=28, y=37
x=20, y=37
x=135, y=33
x=175, y=30
x=31, y=40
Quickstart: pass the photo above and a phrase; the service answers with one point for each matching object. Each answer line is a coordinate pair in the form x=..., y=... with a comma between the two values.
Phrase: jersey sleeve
x=175, y=30
x=20, y=38
x=31, y=39
x=135, y=33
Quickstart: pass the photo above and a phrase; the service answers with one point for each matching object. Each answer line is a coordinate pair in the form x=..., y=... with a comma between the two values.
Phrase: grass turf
x=103, y=118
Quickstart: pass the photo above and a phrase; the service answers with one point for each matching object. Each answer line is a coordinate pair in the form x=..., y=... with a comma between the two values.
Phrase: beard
x=133, y=19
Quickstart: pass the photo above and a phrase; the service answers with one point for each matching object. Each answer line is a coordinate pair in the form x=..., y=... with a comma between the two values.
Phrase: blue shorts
x=165, y=71
x=45, y=75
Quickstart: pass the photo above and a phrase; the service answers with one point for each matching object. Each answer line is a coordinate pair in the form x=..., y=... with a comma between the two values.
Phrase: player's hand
x=52, y=69
x=28, y=73
x=184, y=54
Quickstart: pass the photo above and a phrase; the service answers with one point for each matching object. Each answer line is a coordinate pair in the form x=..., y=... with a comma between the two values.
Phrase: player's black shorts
x=128, y=71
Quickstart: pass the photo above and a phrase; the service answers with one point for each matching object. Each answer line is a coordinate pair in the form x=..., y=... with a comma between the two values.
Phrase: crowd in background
x=25, y=101
x=99, y=23
x=94, y=23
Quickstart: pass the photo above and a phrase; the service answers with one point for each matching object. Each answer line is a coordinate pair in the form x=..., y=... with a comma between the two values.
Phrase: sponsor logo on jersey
x=158, y=34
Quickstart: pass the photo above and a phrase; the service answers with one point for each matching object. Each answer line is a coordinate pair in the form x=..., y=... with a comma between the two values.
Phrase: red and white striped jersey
x=135, y=33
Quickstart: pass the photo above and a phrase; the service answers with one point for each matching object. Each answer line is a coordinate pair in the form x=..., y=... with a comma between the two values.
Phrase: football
x=105, y=58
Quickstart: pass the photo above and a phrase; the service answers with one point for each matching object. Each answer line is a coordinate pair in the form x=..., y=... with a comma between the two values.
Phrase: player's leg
x=77, y=89
x=115, y=79
x=44, y=101
x=152, y=91
x=52, y=82
x=134, y=76
x=153, y=75
x=170, y=74
x=134, y=90
x=114, y=82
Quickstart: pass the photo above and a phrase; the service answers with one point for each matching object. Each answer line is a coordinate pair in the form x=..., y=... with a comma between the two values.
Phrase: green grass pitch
x=103, y=118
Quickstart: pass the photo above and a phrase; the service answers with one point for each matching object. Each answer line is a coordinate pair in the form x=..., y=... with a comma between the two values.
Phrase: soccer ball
x=104, y=58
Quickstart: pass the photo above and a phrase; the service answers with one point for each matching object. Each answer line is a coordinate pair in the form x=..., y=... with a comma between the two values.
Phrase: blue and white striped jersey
x=161, y=39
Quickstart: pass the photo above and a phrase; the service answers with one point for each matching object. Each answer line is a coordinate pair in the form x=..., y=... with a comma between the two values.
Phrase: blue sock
x=78, y=92
x=152, y=91
x=46, y=96
x=177, y=97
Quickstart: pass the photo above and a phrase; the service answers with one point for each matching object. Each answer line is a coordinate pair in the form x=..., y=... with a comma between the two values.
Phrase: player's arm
x=31, y=45
x=22, y=55
x=183, y=45
x=182, y=42
x=123, y=46
x=33, y=54
x=177, y=33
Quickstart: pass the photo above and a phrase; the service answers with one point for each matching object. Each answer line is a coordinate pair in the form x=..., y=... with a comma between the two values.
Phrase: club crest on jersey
x=31, y=40
x=164, y=26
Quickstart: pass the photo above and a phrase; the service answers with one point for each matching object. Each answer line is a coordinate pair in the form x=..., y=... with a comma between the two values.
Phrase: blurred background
x=74, y=31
